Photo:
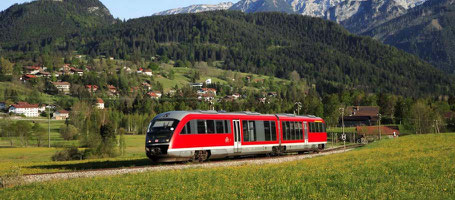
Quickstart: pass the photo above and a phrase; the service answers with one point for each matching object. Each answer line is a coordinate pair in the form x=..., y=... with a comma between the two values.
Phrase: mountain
x=360, y=16
x=427, y=30
x=197, y=8
x=315, y=8
x=251, y=6
x=322, y=52
x=48, y=18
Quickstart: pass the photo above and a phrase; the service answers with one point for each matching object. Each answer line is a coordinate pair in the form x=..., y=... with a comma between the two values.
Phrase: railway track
x=31, y=178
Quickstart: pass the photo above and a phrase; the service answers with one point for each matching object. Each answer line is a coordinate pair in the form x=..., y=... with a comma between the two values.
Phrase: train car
x=200, y=135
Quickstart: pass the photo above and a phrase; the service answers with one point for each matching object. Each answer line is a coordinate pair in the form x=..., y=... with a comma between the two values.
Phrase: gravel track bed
x=27, y=179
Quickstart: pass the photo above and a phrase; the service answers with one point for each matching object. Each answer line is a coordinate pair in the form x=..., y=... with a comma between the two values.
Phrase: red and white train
x=200, y=135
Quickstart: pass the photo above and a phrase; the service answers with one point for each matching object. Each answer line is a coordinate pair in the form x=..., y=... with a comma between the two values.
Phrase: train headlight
x=149, y=141
x=167, y=140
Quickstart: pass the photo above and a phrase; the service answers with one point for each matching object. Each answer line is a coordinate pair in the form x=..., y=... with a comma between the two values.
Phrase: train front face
x=159, y=135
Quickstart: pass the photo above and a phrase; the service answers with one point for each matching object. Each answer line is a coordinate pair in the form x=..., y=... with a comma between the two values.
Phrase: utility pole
x=49, y=122
x=342, y=119
x=379, y=126
x=299, y=105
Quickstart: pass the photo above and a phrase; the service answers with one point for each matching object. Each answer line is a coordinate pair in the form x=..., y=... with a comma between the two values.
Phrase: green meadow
x=411, y=167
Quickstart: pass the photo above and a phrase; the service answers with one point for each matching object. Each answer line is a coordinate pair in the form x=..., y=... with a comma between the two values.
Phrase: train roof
x=179, y=115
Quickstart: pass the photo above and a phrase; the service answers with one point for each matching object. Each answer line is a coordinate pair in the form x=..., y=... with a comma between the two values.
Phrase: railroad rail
x=31, y=178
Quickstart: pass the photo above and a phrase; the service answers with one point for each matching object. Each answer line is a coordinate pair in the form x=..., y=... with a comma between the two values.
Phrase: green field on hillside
x=411, y=167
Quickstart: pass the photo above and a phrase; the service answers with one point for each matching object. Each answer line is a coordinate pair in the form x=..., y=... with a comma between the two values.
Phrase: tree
x=23, y=130
x=69, y=132
x=39, y=133
x=294, y=76
x=108, y=142
x=6, y=67
x=421, y=118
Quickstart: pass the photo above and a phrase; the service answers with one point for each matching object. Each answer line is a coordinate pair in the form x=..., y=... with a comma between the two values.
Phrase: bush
x=69, y=132
x=11, y=177
x=71, y=153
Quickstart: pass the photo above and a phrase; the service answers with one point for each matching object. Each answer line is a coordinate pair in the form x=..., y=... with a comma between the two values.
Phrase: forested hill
x=273, y=43
x=321, y=51
x=427, y=30
x=45, y=19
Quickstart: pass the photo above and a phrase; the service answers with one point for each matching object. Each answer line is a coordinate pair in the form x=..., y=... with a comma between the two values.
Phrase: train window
x=324, y=127
x=260, y=131
x=201, y=127
x=210, y=126
x=219, y=126
x=267, y=131
x=251, y=130
x=294, y=131
x=300, y=131
x=183, y=132
x=312, y=127
x=283, y=126
x=246, y=136
x=273, y=128
x=227, y=126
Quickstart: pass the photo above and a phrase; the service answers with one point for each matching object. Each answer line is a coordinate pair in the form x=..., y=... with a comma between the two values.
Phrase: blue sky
x=126, y=9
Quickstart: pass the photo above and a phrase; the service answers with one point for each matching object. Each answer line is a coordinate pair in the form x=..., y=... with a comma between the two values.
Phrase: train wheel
x=201, y=156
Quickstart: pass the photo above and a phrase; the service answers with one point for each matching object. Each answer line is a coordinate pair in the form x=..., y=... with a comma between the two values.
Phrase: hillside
x=44, y=19
x=409, y=167
x=426, y=31
x=196, y=8
x=322, y=52
x=250, y=6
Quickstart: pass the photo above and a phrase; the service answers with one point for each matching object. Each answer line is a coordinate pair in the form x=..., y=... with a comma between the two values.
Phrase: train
x=201, y=135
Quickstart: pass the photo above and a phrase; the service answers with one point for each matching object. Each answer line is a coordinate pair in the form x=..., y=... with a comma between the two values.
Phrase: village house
x=41, y=108
x=62, y=87
x=196, y=85
x=207, y=91
x=361, y=116
x=24, y=108
x=65, y=69
x=112, y=90
x=99, y=103
x=147, y=72
x=28, y=77
x=373, y=131
x=207, y=97
x=43, y=74
x=32, y=69
x=91, y=88
x=154, y=94
x=61, y=115
x=79, y=72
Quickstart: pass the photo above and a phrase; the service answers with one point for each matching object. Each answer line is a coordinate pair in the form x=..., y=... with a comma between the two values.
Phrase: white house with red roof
x=63, y=87
x=24, y=108
x=91, y=88
x=99, y=103
x=155, y=95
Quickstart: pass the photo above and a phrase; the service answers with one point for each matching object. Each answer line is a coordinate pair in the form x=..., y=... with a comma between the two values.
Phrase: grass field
x=412, y=167
x=32, y=160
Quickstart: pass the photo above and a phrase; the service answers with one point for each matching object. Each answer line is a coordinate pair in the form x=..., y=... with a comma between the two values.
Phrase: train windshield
x=162, y=127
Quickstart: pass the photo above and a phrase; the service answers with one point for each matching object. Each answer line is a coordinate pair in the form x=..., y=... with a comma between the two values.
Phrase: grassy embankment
x=412, y=167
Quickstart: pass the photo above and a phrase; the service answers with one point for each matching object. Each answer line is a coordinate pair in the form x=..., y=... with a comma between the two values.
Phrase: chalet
x=207, y=91
x=99, y=103
x=112, y=89
x=28, y=77
x=79, y=72
x=147, y=72
x=207, y=97
x=361, y=116
x=62, y=87
x=91, y=88
x=24, y=108
x=65, y=69
x=154, y=95
x=386, y=131
x=61, y=115
x=32, y=69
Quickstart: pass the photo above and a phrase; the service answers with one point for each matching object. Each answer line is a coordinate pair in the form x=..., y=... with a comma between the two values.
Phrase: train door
x=237, y=138
x=305, y=128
